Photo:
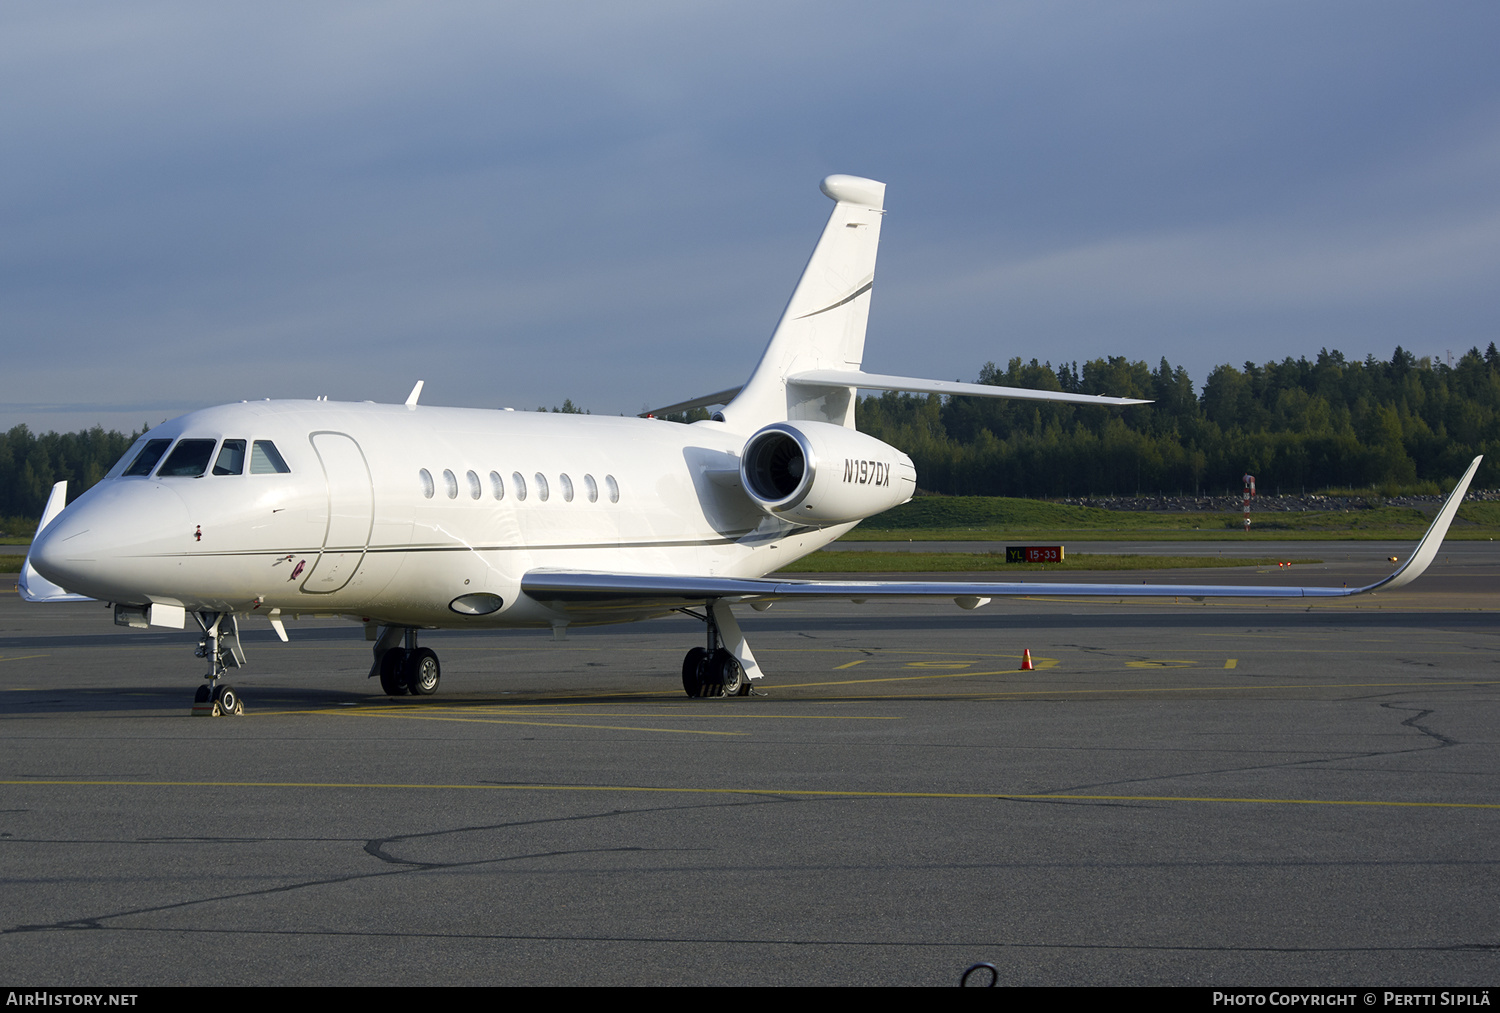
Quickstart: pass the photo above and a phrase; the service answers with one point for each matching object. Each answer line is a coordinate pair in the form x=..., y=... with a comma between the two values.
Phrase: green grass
x=985, y=518
x=835, y=561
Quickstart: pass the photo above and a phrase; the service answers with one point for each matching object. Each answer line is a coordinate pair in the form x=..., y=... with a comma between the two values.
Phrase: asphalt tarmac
x=1179, y=793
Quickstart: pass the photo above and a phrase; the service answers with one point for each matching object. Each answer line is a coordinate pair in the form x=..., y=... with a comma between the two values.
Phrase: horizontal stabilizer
x=717, y=397
x=882, y=381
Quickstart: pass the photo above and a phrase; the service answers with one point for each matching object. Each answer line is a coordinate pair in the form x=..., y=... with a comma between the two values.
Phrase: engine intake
x=822, y=474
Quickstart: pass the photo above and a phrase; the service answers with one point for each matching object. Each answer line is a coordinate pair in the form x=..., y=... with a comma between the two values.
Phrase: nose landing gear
x=221, y=646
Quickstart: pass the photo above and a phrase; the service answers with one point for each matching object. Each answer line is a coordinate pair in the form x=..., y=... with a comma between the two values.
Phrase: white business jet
x=409, y=517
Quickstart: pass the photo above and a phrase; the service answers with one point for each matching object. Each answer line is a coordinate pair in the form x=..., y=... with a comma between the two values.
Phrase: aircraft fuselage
x=415, y=515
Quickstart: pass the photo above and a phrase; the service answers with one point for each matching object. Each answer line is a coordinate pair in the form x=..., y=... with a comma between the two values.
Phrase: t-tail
x=823, y=325
x=814, y=363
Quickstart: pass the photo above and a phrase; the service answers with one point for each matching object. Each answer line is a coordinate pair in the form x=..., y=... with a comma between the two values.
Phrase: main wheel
x=422, y=672
x=391, y=664
x=692, y=671
x=727, y=673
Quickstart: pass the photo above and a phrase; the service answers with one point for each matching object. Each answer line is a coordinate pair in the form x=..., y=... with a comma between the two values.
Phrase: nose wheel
x=221, y=701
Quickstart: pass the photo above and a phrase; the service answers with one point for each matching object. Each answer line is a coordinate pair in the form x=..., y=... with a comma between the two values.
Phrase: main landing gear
x=714, y=670
x=407, y=668
x=221, y=646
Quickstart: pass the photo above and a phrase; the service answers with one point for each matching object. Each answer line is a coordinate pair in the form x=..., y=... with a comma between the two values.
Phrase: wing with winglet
x=596, y=592
x=32, y=585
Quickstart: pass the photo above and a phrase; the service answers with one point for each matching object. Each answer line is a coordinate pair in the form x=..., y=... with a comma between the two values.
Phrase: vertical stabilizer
x=823, y=326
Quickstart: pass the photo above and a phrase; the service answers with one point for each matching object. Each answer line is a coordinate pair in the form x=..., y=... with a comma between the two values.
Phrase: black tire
x=692, y=671
x=422, y=672
x=392, y=663
x=727, y=675
x=227, y=699
x=203, y=695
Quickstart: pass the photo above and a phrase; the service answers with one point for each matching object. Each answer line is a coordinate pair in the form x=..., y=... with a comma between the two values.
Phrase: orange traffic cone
x=1026, y=665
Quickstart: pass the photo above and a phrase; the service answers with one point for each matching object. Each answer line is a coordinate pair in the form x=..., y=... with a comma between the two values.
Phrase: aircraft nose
x=106, y=544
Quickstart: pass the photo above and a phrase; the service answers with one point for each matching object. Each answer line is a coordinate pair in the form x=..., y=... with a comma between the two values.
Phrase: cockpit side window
x=189, y=459
x=147, y=458
x=265, y=459
x=231, y=458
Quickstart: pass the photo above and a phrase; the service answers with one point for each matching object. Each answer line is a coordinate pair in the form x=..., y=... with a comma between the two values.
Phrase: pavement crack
x=1414, y=722
x=394, y=866
x=98, y=921
x=375, y=846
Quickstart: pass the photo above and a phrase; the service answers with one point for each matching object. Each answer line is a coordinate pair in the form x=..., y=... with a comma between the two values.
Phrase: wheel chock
x=209, y=703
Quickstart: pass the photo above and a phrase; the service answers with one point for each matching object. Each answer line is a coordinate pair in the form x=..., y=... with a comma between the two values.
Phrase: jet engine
x=821, y=474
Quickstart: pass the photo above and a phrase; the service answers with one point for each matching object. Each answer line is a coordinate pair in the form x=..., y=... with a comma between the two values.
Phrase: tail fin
x=823, y=326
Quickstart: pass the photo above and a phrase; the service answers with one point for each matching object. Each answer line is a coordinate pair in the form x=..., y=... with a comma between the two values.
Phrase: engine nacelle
x=820, y=474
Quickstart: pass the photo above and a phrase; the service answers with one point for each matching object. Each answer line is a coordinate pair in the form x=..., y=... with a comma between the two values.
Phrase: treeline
x=1404, y=425
x=1408, y=424
x=30, y=464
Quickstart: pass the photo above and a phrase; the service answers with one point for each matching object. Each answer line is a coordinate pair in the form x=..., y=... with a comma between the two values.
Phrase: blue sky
x=610, y=202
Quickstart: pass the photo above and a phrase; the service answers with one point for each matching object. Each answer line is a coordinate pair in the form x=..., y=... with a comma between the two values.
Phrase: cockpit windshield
x=147, y=458
x=189, y=459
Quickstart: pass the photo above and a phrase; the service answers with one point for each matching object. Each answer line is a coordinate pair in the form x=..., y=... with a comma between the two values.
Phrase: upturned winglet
x=1427, y=549
x=32, y=585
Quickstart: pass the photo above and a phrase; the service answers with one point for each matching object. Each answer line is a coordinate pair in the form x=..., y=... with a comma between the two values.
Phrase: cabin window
x=450, y=482
x=591, y=487
x=519, y=484
x=428, y=488
x=265, y=459
x=497, y=485
x=541, y=487
x=566, y=484
x=189, y=459
x=475, y=489
x=613, y=487
x=231, y=458
x=147, y=458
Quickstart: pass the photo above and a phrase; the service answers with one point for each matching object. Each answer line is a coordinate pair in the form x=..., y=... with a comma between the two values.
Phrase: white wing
x=602, y=593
